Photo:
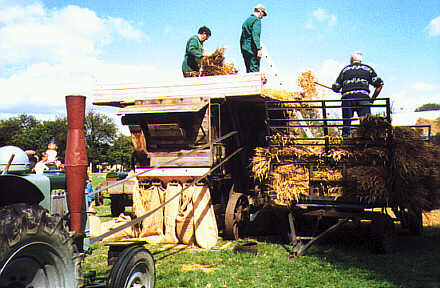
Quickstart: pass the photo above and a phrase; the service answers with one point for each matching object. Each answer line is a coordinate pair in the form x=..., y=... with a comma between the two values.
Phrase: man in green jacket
x=194, y=52
x=250, y=39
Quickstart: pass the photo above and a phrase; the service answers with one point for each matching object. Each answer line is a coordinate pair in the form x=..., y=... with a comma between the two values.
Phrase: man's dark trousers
x=251, y=62
x=360, y=106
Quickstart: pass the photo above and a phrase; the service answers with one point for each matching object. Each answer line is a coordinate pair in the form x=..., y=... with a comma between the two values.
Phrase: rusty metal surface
x=76, y=158
x=237, y=214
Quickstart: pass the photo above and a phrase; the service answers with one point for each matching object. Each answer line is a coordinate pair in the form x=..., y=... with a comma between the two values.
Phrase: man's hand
x=260, y=53
x=336, y=87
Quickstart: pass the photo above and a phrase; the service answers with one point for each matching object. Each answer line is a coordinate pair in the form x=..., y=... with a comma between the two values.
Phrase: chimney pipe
x=76, y=158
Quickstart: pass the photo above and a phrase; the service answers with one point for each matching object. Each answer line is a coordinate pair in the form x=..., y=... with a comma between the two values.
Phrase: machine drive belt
x=149, y=213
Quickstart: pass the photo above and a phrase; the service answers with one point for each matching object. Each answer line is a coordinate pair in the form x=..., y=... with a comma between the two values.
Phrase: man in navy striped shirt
x=354, y=84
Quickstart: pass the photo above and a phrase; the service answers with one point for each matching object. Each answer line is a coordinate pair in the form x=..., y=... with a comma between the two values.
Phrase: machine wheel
x=236, y=216
x=134, y=268
x=117, y=204
x=36, y=249
x=382, y=233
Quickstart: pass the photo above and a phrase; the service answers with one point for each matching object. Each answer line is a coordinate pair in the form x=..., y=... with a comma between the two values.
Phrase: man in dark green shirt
x=194, y=52
x=250, y=39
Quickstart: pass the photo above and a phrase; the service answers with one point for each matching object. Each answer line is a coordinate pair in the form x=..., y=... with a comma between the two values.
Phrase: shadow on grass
x=416, y=262
x=168, y=252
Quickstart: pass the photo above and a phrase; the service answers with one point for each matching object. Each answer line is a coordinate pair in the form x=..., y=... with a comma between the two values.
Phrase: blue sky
x=51, y=48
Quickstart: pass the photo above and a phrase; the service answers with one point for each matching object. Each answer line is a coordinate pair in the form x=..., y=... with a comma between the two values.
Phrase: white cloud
x=46, y=54
x=124, y=29
x=421, y=86
x=329, y=71
x=402, y=101
x=434, y=27
x=33, y=34
x=320, y=17
x=47, y=84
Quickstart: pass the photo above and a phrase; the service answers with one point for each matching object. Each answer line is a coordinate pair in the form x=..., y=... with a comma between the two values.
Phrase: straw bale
x=307, y=82
x=431, y=218
x=435, y=125
x=415, y=163
x=290, y=182
x=213, y=64
x=367, y=183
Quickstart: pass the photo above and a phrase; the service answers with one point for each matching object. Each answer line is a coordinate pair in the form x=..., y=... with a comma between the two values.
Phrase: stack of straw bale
x=415, y=164
x=412, y=181
x=289, y=180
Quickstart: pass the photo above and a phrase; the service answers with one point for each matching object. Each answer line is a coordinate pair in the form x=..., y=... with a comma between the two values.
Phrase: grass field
x=340, y=260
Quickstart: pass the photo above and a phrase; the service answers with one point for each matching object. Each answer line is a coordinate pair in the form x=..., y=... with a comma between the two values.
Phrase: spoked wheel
x=36, y=249
x=236, y=216
x=382, y=234
x=133, y=269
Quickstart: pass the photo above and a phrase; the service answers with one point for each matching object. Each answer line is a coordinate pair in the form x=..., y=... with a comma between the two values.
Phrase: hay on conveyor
x=412, y=180
x=213, y=64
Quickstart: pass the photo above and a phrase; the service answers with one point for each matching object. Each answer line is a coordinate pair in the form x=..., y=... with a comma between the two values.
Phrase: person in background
x=89, y=189
x=354, y=84
x=194, y=52
x=250, y=39
x=52, y=161
x=41, y=166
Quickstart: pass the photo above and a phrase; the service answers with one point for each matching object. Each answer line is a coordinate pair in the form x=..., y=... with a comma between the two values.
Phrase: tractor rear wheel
x=36, y=249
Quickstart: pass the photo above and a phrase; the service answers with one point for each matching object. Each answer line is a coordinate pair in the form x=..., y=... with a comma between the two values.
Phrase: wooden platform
x=124, y=94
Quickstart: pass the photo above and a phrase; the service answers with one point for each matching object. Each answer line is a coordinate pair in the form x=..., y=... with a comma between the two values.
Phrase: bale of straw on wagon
x=366, y=183
x=214, y=64
x=412, y=180
x=414, y=177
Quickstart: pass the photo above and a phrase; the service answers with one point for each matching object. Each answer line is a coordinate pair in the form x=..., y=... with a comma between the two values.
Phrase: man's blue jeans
x=348, y=109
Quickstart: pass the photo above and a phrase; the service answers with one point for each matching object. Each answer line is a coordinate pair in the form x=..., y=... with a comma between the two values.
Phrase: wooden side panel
x=125, y=188
x=198, y=159
x=122, y=94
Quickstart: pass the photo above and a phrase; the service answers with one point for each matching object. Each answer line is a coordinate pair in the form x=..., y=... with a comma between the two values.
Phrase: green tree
x=428, y=107
x=103, y=144
x=120, y=152
x=17, y=131
x=100, y=133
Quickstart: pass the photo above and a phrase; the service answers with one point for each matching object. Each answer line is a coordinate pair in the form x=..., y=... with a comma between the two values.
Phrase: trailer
x=319, y=212
x=186, y=127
